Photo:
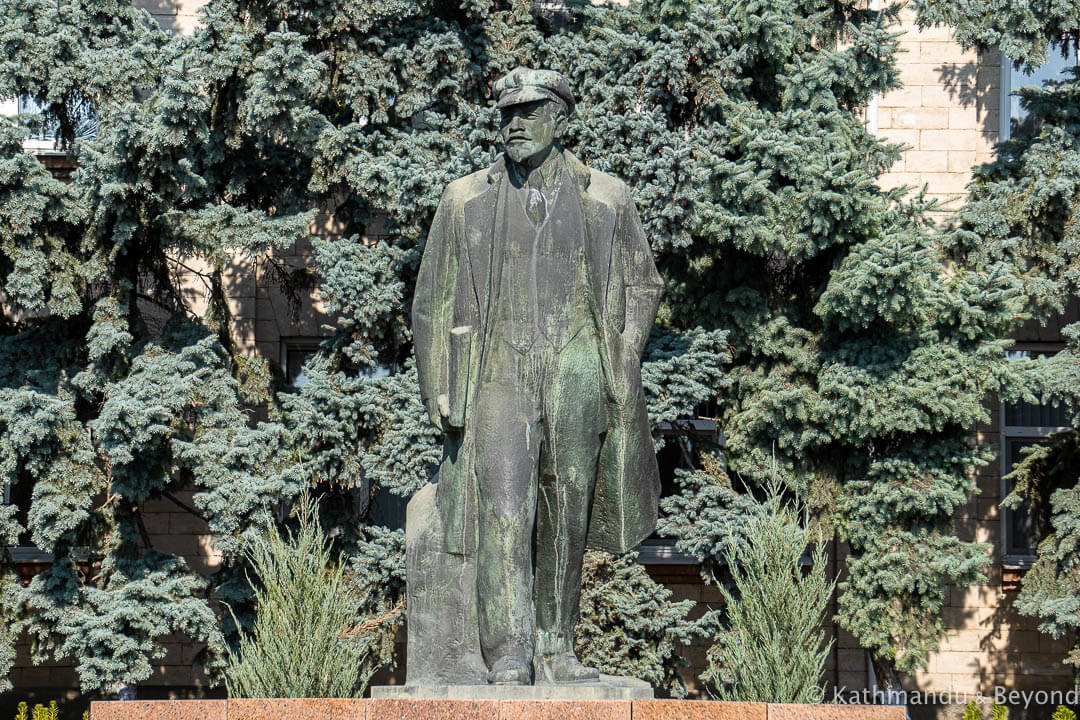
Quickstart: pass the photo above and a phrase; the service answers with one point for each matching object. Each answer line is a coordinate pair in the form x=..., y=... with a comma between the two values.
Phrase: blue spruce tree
x=117, y=389
x=1023, y=210
x=855, y=362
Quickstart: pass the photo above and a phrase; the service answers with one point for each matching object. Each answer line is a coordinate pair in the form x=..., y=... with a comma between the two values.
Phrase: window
x=44, y=141
x=294, y=353
x=702, y=429
x=1015, y=120
x=1023, y=425
x=20, y=495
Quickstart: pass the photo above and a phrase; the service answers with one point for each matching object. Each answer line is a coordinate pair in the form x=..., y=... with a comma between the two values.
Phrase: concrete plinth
x=608, y=688
x=403, y=708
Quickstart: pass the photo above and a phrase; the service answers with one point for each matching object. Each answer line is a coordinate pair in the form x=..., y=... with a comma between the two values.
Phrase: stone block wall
x=179, y=16
x=947, y=113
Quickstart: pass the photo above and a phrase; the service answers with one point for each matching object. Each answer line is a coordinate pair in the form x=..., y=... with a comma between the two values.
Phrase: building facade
x=952, y=110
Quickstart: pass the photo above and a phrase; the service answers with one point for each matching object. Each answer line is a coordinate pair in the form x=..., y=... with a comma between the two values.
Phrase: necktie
x=536, y=206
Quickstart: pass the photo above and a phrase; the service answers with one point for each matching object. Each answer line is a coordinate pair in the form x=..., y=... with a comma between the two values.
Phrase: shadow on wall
x=178, y=16
x=976, y=84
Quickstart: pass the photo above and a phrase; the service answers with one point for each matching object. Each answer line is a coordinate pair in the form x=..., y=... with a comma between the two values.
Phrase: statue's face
x=530, y=130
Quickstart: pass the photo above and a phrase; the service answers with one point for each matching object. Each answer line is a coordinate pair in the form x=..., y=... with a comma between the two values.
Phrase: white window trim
x=1005, y=101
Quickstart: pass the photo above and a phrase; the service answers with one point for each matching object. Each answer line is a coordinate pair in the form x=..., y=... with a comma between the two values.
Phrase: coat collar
x=577, y=169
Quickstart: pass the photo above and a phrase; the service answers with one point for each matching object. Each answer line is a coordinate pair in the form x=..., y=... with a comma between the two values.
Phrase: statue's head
x=535, y=105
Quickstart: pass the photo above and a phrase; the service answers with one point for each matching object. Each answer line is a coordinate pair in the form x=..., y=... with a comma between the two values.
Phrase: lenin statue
x=535, y=297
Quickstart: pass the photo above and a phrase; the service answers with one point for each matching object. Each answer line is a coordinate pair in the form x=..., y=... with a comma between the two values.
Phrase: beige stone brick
x=31, y=676
x=917, y=74
x=269, y=349
x=851, y=660
x=920, y=118
x=1040, y=663
x=988, y=77
x=976, y=596
x=946, y=183
x=845, y=639
x=940, y=96
x=948, y=204
x=184, y=545
x=920, y=161
x=685, y=592
x=986, y=140
x=267, y=330
x=1021, y=641
x=179, y=24
x=963, y=642
x=170, y=6
x=156, y=522
x=908, y=97
x=963, y=118
x=989, y=532
x=946, y=51
x=968, y=618
x=987, y=509
x=947, y=140
x=934, y=33
x=896, y=179
x=1050, y=646
x=184, y=523
x=173, y=654
x=207, y=550
x=171, y=675
x=189, y=651
x=241, y=307
x=62, y=677
x=243, y=330
x=710, y=594
x=851, y=681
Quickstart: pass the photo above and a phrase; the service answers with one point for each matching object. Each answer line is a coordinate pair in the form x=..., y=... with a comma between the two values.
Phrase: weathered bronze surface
x=536, y=294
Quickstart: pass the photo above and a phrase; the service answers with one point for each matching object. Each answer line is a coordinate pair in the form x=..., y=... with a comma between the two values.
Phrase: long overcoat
x=454, y=289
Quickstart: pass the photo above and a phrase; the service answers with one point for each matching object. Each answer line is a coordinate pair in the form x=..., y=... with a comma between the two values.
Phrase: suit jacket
x=453, y=289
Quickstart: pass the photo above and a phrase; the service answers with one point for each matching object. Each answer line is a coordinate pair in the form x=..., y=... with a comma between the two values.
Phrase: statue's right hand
x=443, y=402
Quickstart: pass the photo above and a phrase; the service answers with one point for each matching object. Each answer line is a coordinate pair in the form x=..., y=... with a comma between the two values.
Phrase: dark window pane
x=19, y=495
x=1031, y=415
x=296, y=354
x=1020, y=535
x=1055, y=68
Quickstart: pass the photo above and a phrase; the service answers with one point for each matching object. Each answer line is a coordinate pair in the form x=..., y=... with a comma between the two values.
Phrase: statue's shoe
x=566, y=668
x=510, y=671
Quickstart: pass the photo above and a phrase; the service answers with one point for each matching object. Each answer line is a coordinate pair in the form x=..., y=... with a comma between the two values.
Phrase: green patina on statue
x=535, y=298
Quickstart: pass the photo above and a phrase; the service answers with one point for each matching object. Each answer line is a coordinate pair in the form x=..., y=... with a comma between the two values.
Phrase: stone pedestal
x=474, y=709
x=608, y=688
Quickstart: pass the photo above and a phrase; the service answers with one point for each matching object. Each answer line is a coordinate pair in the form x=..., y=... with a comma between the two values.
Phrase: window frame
x=21, y=554
x=298, y=342
x=662, y=550
x=1012, y=560
x=10, y=107
x=1005, y=100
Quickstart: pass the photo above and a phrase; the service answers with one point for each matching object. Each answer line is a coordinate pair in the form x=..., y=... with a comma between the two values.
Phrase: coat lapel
x=599, y=222
x=480, y=216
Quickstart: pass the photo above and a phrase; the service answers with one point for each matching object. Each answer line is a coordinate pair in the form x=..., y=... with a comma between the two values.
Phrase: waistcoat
x=542, y=288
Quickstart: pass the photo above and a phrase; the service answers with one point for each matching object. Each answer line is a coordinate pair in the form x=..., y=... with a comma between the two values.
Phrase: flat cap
x=522, y=85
